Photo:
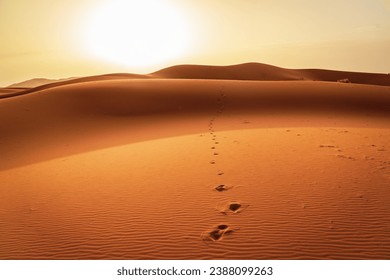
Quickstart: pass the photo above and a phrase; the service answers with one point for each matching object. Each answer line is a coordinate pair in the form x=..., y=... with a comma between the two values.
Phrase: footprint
x=222, y=227
x=217, y=233
x=222, y=188
x=345, y=157
x=232, y=208
x=328, y=146
x=212, y=148
x=215, y=154
x=212, y=162
x=220, y=173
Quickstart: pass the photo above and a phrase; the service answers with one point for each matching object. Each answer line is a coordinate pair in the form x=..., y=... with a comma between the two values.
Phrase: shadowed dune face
x=10, y=92
x=45, y=119
x=137, y=97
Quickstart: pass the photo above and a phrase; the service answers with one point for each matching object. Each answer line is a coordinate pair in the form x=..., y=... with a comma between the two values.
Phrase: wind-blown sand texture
x=163, y=168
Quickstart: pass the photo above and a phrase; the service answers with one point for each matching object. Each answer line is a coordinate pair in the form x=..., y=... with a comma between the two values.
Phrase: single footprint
x=220, y=173
x=221, y=188
x=327, y=146
x=345, y=157
x=218, y=233
x=212, y=162
x=232, y=208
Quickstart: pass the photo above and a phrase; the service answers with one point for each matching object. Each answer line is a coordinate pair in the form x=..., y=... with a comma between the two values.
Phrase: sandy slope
x=196, y=169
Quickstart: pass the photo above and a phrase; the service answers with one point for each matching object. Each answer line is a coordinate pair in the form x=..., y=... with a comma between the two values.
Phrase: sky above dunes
x=58, y=39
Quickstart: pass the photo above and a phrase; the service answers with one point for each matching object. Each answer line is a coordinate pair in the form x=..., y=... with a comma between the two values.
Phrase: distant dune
x=197, y=162
x=264, y=72
x=246, y=71
x=37, y=82
x=18, y=89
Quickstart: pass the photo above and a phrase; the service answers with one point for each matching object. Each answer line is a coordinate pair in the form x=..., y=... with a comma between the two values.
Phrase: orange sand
x=195, y=169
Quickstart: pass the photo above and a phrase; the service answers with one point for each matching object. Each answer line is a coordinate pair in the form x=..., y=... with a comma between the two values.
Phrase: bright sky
x=67, y=38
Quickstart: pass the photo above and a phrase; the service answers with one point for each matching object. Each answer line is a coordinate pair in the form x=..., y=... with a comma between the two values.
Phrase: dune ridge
x=265, y=72
x=247, y=71
x=37, y=82
x=16, y=91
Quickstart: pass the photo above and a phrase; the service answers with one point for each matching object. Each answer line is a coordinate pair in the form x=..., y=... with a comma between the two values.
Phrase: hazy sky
x=64, y=38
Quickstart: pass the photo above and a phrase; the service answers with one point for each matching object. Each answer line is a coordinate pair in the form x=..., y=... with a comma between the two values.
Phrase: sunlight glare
x=137, y=33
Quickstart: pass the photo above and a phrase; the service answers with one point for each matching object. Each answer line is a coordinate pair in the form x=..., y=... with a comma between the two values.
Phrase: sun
x=137, y=33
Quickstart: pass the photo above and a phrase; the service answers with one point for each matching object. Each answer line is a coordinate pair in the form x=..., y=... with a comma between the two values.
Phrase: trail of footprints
x=218, y=232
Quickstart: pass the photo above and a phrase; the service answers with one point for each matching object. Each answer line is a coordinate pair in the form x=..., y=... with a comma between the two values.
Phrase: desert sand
x=179, y=165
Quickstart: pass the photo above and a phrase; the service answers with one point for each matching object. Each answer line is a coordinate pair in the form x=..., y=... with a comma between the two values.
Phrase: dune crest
x=265, y=72
x=247, y=71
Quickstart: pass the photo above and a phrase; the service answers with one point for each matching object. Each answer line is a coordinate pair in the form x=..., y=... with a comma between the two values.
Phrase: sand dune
x=33, y=83
x=195, y=169
x=246, y=71
x=352, y=77
x=9, y=92
x=37, y=82
x=265, y=72
x=39, y=120
x=52, y=84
